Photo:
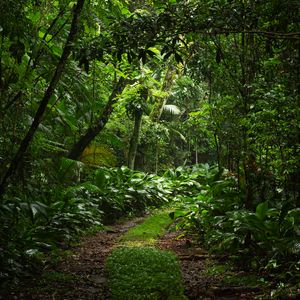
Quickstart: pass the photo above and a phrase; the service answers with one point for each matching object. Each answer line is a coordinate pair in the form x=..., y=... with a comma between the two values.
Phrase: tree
x=99, y=124
x=44, y=102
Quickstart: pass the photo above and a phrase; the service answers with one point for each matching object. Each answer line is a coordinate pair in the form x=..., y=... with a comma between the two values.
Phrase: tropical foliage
x=267, y=238
x=32, y=228
x=87, y=87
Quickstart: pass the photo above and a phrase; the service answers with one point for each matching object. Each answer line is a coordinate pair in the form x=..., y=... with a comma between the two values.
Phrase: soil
x=82, y=275
x=194, y=262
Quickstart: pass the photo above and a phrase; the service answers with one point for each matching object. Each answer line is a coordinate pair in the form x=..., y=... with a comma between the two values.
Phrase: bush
x=63, y=212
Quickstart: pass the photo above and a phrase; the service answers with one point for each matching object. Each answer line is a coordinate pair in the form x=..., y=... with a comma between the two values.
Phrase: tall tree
x=136, y=110
x=44, y=102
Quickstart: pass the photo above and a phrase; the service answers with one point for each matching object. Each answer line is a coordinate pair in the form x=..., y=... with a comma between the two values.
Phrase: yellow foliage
x=99, y=155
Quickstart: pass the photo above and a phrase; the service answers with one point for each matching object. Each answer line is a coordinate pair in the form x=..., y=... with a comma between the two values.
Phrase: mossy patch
x=144, y=273
x=137, y=270
x=147, y=232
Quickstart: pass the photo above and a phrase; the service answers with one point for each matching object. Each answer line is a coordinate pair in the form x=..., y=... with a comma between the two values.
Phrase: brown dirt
x=83, y=272
x=82, y=275
x=194, y=261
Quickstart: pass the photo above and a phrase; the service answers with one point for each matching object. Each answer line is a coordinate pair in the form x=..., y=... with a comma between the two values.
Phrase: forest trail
x=201, y=277
x=82, y=275
x=111, y=108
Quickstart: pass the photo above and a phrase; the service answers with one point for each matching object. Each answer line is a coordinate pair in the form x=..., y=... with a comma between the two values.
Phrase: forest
x=184, y=111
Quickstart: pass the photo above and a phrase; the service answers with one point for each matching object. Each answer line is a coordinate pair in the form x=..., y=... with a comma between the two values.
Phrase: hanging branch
x=44, y=102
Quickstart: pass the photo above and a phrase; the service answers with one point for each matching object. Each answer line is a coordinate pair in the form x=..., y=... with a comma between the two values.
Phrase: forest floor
x=207, y=276
x=81, y=275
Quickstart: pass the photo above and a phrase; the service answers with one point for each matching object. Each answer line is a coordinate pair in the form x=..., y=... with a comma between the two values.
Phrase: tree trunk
x=96, y=128
x=167, y=84
x=217, y=143
x=43, y=105
x=156, y=157
x=134, y=141
x=196, y=152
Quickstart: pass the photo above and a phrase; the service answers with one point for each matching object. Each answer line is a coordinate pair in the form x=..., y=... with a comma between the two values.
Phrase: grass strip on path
x=138, y=270
x=147, y=233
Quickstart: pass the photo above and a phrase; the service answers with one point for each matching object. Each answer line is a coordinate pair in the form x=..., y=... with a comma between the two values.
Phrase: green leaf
x=100, y=178
x=154, y=50
x=57, y=51
x=41, y=34
x=34, y=16
x=262, y=210
x=38, y=208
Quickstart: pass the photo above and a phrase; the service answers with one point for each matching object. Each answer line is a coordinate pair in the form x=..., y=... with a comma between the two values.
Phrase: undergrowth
x=55, y=216
x=265, y=239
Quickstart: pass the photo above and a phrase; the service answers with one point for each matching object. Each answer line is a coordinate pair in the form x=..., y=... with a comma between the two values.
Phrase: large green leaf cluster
x=124, y=191
x=266, y=239
x=31, y=227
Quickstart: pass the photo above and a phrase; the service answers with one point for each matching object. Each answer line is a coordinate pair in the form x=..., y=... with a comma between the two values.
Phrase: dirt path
x=80, y=276
x=198, y=281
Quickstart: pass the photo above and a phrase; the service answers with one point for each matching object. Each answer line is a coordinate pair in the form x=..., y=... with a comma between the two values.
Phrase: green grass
x=139, y=271
x=143, y=273
x=147, y=232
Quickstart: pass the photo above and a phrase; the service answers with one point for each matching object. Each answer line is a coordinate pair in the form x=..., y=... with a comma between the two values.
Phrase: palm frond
x=172, y=109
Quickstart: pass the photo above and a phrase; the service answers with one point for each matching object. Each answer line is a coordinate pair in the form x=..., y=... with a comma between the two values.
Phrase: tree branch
x=96, y=128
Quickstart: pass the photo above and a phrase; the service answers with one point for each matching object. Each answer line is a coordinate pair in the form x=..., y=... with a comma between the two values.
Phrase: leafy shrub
x=124, y=191
x=144, y=273
x=31, y=228
x=271, y=234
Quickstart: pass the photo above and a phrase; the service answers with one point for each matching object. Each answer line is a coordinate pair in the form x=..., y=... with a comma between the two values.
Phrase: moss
x=147, y=232
x=144, y=273
x=139, y=271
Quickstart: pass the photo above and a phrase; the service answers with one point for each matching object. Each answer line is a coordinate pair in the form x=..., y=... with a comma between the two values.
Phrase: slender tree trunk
x=96, y=128
x=238, y=173
x=196, y=152
x=218, y=150
x=156, y=158
x=134, y=141
x=167, y=84
x=1, y=46
x=43, y=105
